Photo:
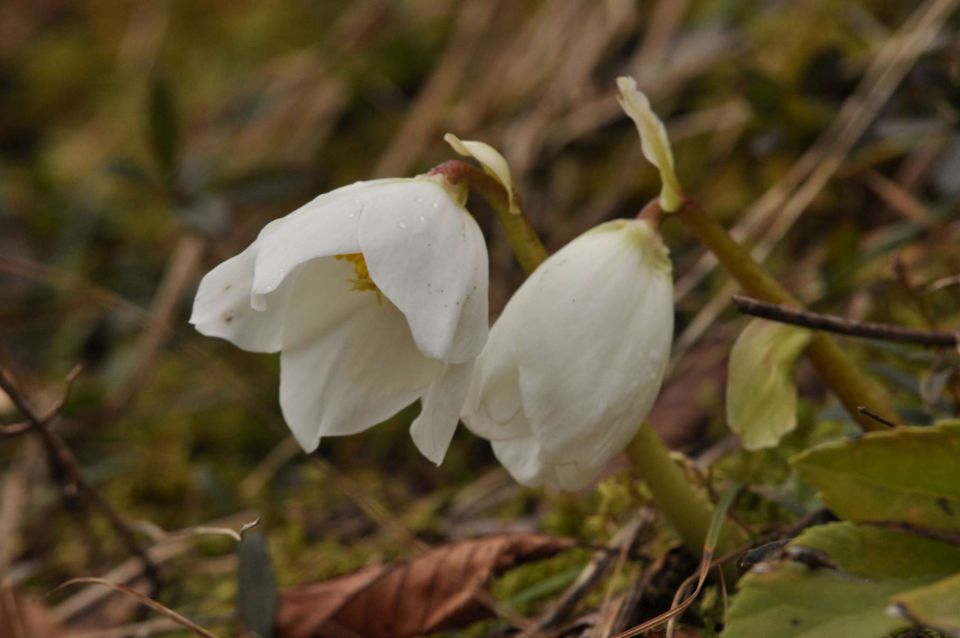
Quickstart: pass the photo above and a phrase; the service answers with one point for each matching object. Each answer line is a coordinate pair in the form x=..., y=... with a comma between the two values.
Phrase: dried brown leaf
x=23, y=617
x=436, y=590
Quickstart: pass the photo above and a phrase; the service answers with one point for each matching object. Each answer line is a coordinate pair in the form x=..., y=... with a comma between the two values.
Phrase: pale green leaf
x=797, y=602
x=849, y=595
x=493, y=163
x=877, y=553
x=906, y=475
x=257, y=597
x=761, y=393
x=653, y=141
x=936, y=606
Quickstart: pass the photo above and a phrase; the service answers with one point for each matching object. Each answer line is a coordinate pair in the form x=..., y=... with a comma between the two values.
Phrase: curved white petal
x=493, y=163
x=433, y=429
x=427, y=255
x=348, y=360
x=222, y=306
x=521, y=457
x=323, y=227
x=575, y=476
x=493, y=408
x=596, y=353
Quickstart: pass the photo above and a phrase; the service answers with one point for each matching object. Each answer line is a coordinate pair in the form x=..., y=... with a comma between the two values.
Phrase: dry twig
x=840, y=325
x=64, y=464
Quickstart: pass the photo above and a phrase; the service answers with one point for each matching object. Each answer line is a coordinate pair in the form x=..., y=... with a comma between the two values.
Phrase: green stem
x=522, y=237
x=688, y=510
x=838, y=370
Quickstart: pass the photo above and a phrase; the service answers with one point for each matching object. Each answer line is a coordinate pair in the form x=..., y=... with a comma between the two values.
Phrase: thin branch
x=67, y=466
x=839, y=325
x=181, y=620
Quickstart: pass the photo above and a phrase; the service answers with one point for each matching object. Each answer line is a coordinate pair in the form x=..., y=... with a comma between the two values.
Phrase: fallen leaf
x=434, y=591
x=23, y=616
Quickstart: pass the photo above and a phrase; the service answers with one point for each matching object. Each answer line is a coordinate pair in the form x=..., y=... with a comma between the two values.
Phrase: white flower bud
x=574, y=363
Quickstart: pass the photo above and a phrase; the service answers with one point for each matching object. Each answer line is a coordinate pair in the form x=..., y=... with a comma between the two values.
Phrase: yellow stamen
x=363, y=280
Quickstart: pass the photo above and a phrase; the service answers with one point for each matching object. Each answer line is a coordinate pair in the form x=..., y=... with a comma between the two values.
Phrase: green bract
x=761, y=393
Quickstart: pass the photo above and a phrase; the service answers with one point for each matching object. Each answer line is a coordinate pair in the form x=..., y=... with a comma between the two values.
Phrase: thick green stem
x=523, y=239
x=838, y=371
x=688, y=511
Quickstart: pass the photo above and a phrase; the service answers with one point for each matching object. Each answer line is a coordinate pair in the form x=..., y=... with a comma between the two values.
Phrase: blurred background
x=141, y=143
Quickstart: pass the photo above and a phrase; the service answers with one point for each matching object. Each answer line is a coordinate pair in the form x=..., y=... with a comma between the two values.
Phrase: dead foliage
x=24, y=617
x=436, y=590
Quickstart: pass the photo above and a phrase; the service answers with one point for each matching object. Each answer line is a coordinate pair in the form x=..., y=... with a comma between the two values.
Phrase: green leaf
x=163, y=125
x=907, y=475
x=933, y=606
x=761, y=394
x=857, y=570
x=867, y=551
x=795, y=601
x=256, y=585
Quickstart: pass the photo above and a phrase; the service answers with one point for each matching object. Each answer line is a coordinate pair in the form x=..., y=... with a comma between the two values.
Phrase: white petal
x=521, y=457
x=433, y=429
x=222, y=306
x=493, y=409
x=427, y=255
x=596, y=343
x=575, y=476
x=493, y=163
x=348, y=360
x=323, y=227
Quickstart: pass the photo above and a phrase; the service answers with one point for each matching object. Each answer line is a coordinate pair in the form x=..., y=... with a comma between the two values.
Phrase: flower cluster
x=375, y=296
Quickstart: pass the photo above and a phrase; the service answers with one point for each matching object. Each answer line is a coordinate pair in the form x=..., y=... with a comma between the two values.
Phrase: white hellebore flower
x=575, y=361
x=374, y=294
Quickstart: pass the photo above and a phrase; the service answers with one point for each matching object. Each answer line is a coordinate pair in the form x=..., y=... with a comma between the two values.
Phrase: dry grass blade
x=706, y=564
x=788, y=199
x=596, y=569
x=181, y=273
x=181, y=620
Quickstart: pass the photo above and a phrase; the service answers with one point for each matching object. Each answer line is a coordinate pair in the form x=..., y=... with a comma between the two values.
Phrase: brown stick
x=66, y=466
x=180, y=274
x=839, y=325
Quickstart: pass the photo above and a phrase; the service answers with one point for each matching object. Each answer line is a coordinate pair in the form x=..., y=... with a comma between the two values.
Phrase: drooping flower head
x=375, y=295
x=576, y=359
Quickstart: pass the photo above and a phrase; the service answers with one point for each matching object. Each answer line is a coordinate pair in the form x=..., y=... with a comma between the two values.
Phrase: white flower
x=374, y=294
x=575, y=361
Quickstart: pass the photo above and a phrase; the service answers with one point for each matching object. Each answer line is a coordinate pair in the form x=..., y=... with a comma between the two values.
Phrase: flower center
x=362, y=280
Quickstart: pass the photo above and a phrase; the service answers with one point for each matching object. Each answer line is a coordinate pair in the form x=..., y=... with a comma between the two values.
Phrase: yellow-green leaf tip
x=653, y=141
x=761, y=393
x=492, y=162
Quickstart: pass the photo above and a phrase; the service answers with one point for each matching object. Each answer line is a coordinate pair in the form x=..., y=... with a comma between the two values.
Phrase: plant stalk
x=838, y=371
x=683, y=506
x=521, y=236
x=687, y=509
